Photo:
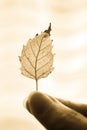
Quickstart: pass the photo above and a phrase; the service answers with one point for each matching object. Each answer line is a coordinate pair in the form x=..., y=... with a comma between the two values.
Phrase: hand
x=57, y=114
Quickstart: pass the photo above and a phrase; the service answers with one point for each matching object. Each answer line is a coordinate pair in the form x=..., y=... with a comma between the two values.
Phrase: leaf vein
x=32, y=49
x=44, y=65
x=37, y=58
x=43, y=74
x=29, y=61
x=44, y=56
x=28, y=71
x=45, y=47
x=37, y=43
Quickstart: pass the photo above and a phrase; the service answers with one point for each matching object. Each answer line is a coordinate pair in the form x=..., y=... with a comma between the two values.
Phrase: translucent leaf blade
x=37, y=57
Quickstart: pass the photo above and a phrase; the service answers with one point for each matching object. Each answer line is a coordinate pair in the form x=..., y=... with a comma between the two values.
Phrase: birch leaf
x=36, y=57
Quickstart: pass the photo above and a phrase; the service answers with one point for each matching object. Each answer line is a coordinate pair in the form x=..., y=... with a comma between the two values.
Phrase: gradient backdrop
x=21, y=20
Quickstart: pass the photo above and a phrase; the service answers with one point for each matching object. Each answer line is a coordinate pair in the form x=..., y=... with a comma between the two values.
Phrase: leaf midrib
x=37, y=59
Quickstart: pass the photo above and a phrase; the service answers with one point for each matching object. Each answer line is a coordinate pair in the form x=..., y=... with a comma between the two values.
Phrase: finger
x=55, y=116
x=81, y=108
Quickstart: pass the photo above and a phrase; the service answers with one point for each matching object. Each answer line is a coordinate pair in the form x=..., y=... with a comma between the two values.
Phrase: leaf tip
x=49, y=29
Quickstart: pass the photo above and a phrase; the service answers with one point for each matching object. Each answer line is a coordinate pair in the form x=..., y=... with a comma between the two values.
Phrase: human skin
x=57, y=114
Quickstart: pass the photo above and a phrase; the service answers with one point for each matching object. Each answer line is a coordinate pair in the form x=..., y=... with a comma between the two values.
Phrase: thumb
x=54, y=116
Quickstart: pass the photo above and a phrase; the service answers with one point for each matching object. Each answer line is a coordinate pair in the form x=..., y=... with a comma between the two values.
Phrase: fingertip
x=33, y=101
x=26, y=102
x=36, y=103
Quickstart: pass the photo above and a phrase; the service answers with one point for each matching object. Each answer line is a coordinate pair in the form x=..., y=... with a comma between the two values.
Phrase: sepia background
x=21, y=20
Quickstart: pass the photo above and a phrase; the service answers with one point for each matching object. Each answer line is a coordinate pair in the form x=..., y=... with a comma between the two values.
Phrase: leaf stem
x=36, y=85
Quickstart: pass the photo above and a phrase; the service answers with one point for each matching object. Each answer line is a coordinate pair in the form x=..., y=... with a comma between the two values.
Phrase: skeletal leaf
x=36, y=57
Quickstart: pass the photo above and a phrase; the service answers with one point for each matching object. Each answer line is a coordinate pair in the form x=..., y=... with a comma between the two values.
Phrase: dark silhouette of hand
x=57, y=114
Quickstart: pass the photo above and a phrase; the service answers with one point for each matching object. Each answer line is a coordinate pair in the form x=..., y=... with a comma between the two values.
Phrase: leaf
x=36, y=57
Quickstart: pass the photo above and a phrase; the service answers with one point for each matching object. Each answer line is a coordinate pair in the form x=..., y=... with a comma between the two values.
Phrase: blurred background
x=21, y=20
